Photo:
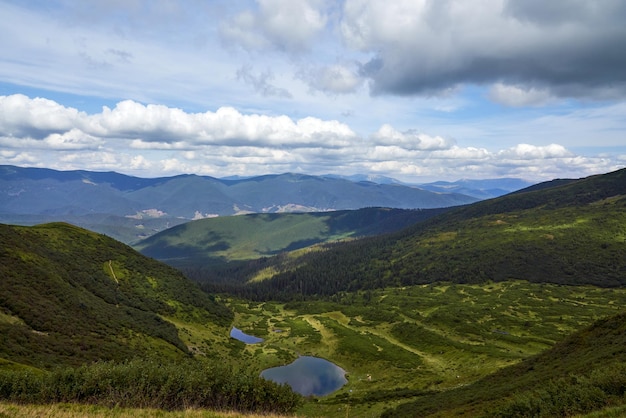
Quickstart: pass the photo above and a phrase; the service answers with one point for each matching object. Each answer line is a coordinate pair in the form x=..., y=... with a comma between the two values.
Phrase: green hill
x=572, y=233
x=584, y=372
x=70, y=296
x=220, y=240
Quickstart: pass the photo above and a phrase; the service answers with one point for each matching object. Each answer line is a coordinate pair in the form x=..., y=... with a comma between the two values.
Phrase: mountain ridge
x=100, y=201
x=568, y=233
x=221, y=240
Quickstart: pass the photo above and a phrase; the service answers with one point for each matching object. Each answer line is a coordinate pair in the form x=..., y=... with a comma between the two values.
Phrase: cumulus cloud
x=532, y=152
x=139, y=139
x=428, y=46
x=162, y=125
x=21, y=116
x=410, y=139
x=518, y=96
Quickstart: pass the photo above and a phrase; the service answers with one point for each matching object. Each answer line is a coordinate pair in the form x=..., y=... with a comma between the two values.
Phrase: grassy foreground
x=66, y=410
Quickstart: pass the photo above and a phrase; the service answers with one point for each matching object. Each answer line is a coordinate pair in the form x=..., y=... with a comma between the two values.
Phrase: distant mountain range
x=480, y=189
x=131, y=208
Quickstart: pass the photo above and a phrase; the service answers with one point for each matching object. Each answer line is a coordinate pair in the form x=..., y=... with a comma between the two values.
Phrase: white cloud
x=226, y=126
x=410, y=139
x=287, y=25
x=22, y=116
x=164, y=126
x=73, y=139
x=532, y=152
x=156, y=140
x=515, y=96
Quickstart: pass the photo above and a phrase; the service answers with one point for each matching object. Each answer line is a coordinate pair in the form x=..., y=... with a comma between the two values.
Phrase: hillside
x=584, y=372
x=131, y=208
x=70, y=296
x=221, y=240
x=571, y=233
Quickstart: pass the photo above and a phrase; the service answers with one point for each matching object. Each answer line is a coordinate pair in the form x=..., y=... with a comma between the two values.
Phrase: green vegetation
x=150, y=384
x=72, y=410
x=69, y=296
x=512, y=307
x=77, y=307
x=582, y=373
x=212, y=242
x=571, y=234
x=419, y=342
x=571, y=395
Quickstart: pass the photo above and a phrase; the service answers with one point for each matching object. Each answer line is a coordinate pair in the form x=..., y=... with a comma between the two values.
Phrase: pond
x=237, y=334
x=308, y=376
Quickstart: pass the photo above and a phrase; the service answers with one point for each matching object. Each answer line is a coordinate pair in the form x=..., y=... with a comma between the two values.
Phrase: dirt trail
x=431, y=361
x=113, y=273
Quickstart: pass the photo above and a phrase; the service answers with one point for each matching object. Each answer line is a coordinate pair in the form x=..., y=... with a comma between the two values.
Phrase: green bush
x=559, y=398
x=150, y=384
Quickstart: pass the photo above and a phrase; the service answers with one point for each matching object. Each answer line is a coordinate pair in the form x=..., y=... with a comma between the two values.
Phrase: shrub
x=150, y=384
x=557, y=398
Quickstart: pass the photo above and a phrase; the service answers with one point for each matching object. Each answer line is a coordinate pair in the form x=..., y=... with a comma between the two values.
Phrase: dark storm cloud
x=569, y=48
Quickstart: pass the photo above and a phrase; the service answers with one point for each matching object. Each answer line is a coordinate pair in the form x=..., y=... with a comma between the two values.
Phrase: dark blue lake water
x=308, y=376
x=241, y=336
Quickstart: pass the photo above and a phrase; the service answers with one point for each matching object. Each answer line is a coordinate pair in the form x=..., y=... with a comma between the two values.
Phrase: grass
x=65, y=410
x=419, y=339
x=246, y=237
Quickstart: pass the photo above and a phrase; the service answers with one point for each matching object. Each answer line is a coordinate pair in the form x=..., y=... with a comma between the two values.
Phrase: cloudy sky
x=418, y=90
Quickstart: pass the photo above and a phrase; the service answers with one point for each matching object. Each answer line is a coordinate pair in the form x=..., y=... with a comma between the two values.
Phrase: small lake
x=308, y=376
x=241, y=336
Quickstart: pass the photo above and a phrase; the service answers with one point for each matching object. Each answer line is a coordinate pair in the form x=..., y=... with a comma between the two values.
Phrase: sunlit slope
x=570, y=234
x=69, y=296
x=218, y=240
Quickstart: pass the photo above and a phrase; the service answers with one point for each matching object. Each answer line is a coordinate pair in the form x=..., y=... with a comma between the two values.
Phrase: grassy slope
x=569, y=234
x=597, y=347
x=224, y=239
x=94, y=411
x=69, y=296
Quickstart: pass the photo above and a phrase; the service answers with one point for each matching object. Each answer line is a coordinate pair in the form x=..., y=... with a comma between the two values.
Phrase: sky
x=417, y=90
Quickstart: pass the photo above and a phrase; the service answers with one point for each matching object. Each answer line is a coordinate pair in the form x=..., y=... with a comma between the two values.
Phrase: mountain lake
x=238, y=334
x=306, y=375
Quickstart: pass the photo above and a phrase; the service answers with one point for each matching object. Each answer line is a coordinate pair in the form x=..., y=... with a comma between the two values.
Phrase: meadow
x=400, y=343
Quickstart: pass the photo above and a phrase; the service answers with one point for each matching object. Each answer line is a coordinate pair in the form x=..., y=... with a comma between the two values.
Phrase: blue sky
x=418, y=90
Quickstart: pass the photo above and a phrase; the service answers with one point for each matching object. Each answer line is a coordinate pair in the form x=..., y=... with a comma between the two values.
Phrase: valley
x=478, y=310
x=417, y=340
